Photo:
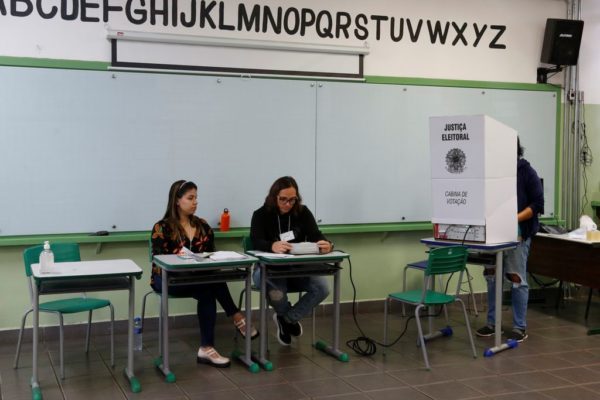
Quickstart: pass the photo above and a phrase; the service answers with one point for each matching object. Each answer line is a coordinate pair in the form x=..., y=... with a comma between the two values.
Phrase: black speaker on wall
x=562, y=39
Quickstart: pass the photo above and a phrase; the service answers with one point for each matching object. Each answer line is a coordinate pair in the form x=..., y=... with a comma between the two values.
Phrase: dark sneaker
x=283, y=336
x=294, y=328
x=518, y=335
x=486, y=331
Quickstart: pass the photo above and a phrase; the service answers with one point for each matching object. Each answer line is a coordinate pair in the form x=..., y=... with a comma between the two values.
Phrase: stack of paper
x=226, y=255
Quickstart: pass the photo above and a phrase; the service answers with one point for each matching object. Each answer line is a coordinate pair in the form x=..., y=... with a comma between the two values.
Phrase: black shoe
x=283, y=336
x=294, y=328
x=517, y=335
x=486, y=331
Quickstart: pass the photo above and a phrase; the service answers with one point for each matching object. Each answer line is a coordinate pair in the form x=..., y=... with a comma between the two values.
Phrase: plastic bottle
x=46, y=259
x=137, y=334
x=224, y=226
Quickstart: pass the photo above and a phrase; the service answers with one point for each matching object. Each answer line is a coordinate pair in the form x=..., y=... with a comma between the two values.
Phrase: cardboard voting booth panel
x=473, y=171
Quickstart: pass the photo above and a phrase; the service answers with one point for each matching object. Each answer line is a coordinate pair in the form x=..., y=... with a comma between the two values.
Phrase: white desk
x=270, y=262
x=497, y=249
x=85, y=276
x=210, y=272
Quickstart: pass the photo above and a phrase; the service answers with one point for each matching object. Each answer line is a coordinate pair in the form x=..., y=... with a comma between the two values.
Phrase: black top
x=266, y=226
x=165, y=241
x=529, y=194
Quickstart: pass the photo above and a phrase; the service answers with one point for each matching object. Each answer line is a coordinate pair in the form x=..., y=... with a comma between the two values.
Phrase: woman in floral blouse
x=180, y=228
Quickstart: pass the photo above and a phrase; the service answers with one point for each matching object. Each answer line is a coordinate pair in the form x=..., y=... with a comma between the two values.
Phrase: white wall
x=30, y=35
x=589, y=55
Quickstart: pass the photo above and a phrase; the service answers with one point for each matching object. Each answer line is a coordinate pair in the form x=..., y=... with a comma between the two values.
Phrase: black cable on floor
x=364, y=345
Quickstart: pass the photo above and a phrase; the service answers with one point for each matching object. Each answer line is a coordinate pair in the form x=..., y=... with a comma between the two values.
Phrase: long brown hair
x=285, y=182
x=178, y=190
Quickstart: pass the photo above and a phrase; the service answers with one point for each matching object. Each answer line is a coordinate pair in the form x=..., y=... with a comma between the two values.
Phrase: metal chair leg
x=313, y=330
x=144, y=306
x=472, y=293
x=160, y=317
x=112, y=335
x=587, y=305
x=421, y=338
x=61, y=346
x=385, y=323
x=468, y=324
x=87, y=332
x=20, y=341
x=404, y=289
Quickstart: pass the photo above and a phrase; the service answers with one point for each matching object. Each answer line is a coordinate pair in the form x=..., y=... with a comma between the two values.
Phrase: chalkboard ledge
x=142, y=236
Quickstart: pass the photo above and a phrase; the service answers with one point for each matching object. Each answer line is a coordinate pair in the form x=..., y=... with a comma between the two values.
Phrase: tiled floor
x=558, y=361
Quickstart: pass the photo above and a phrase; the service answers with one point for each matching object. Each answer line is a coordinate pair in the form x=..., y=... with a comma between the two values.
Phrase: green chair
x=421, y=266
x=441, y=261
x=63, y=252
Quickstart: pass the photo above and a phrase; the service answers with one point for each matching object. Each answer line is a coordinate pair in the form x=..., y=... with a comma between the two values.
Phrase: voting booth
x=473, y=179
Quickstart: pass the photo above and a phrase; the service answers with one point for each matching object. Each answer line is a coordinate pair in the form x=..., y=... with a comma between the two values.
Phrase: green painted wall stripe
x=53, y=63
x=462, y=83
x=143, y=236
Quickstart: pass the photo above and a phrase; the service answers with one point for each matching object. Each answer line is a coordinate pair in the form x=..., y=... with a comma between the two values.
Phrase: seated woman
x=280, y=221
x=180, y=228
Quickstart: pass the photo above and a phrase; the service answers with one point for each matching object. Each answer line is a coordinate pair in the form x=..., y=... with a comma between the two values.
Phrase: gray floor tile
x=397, y=393
x=572, y=393
x=493, y=385
x=449, y=391
x=577, y=375
x=325, y=387
x=380, y=380
x=275, y=392
x=537, y=380
x=234, y=394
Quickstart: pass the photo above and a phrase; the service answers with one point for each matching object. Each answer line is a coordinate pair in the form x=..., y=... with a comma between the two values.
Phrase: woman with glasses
x=282, y=220
x=180, y=228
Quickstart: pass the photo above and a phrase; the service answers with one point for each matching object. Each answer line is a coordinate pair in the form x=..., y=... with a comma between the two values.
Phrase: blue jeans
x=514, y=261
x=315, y=290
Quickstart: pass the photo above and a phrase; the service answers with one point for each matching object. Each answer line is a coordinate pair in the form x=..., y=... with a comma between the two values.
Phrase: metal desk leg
x=162, y=362
x=246, y=357
x=262, y=347
x=36, y=391
x=321, y=345
x=133, y=381
x=498, y=345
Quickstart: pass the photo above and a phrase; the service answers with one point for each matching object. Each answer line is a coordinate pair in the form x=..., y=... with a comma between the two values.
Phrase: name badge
x=287, y=236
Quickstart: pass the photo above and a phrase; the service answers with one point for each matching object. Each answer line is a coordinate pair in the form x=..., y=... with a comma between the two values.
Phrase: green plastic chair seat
x=441, y=261
x=432, y=298
x=74, y=305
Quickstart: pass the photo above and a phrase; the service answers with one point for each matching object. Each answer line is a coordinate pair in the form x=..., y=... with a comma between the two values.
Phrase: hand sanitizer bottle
x=46, y=259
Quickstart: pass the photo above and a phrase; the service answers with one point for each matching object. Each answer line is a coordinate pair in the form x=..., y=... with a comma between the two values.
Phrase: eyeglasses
x=287, y=200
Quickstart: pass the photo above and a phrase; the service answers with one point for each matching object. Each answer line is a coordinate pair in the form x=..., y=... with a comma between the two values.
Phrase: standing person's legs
x=489, y=273
x=515, y=269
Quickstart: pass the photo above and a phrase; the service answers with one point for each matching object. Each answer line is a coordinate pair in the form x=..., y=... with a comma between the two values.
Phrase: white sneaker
x=210, y=356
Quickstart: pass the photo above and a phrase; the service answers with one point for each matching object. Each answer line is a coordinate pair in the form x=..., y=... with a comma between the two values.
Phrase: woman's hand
x=281, y=247
x=324, y=246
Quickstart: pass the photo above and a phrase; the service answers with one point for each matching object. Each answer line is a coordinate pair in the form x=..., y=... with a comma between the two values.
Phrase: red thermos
x=224, y=226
